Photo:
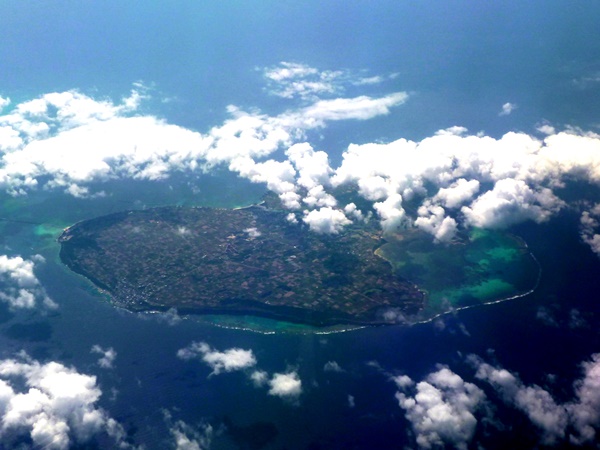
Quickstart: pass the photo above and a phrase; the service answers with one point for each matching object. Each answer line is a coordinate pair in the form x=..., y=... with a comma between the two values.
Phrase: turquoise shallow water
x=482, y=266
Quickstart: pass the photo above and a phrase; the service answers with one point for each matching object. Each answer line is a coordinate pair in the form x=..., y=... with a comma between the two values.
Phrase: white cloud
x=294, y=80
x=369, y=80
x=391, y=212
x=522, y=171
x=403, y=381
x=351, y=210
x=509, y=202
x=67, y=140
x=52, y=404
x=546, y=129
x=442, y=409
x=457, y=193
x=187, y=437
x=555, y=420
x=326, y=220
x=585, y=409
x=19, y=286
x=260, y=378
x=312, y=166
x=252, y=232
x=289, y=70
x=4, y=102
x=108, y=356
x=291, y=80
x=507, y=108
x=317, y=197
x=432, y=219
x=588, y=227
x=228, y=361
x=357, y=108
x=286, y=385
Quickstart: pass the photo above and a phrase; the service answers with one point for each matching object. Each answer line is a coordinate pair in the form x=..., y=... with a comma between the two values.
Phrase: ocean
x=460, y=63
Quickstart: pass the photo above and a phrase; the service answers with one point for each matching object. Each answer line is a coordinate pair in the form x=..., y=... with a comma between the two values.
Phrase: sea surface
x=149, y=379
x=459, y=61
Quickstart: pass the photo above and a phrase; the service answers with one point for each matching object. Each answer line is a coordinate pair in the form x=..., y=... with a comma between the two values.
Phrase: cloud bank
x=456, y=179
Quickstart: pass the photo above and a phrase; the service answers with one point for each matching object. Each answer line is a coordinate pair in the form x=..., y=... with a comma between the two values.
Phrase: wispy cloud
x=106, y=361
x=507, y=109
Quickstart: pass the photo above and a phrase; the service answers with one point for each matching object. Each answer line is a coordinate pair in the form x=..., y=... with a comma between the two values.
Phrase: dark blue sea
x=351, y=408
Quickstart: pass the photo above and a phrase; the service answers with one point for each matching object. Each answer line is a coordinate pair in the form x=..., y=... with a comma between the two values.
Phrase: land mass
x=248, y=261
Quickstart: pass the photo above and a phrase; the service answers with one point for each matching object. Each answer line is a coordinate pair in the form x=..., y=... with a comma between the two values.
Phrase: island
x=249, y=261
x=252, y=261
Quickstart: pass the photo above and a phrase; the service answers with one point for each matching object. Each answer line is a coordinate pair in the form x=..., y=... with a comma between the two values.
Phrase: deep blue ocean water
x=148, y=377
x=459, y=60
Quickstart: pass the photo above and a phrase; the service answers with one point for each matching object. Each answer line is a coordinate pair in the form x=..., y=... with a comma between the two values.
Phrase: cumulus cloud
x=391, y=212
x=108, y=357
x=576, y=420
x=478, y=180
x=455, y=179
x=54, y=405
x=441, y=409
x=286, y=385
x=457, y=193
x=228, y=361
x=432, y=219
x=20, y=288
x=326, y=220
x=509, y=202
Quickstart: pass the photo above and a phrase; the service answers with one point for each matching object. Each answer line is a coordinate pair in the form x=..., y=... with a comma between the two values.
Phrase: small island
x=247, y=261
x=253, y=262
